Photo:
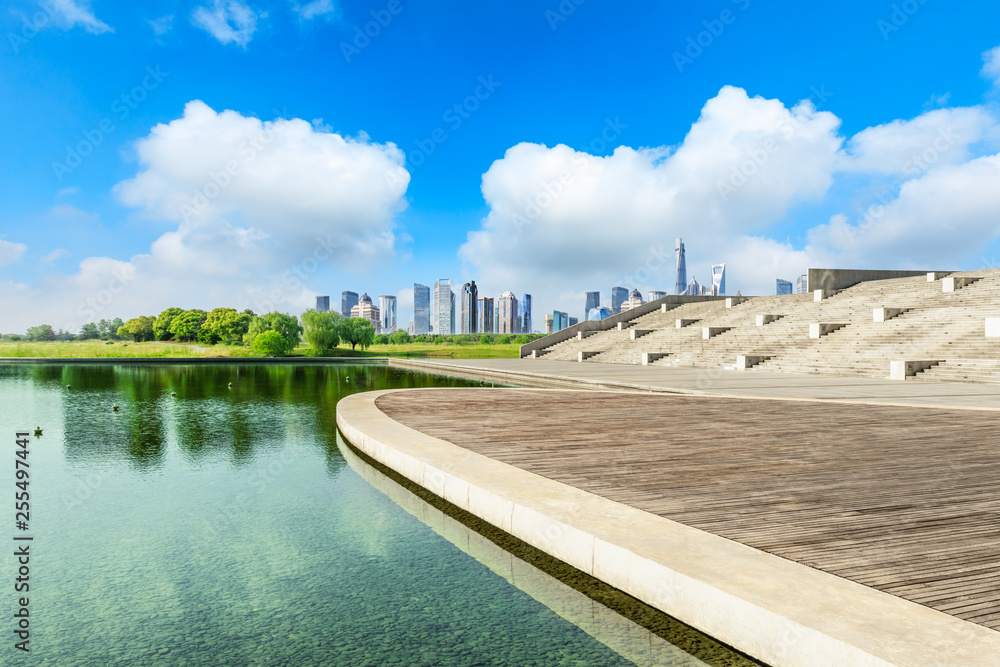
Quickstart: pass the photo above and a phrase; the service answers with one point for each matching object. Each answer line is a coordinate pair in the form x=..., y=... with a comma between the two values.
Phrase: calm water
x=225, y=525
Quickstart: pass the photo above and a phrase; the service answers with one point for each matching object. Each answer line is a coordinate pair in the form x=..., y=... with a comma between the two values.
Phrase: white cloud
x=70, y=212
x=11, y=253
x=991, y=65
x=938, y=137
x=67, y=14
x=162, y=25
x=229, y=21
x=561, y=221
x=314, y=9
x=65, y=192
x=57, y=254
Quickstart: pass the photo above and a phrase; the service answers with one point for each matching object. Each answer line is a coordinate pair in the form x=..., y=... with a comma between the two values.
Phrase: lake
x=216, y=518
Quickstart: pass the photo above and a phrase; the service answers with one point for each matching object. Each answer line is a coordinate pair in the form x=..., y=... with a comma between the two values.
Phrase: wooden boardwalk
x=904, y=500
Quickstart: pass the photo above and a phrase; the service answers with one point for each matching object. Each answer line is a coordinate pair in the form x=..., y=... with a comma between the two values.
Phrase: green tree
x=484, y=340
x=504, y=340
x=42, y=332
x=225, y=325
x=357, y=331
x=521, y=340
x=287, y=327
x=269, y=344
x=89, y=332
x=138, y=328
x=321, y=330
x=380, y=339
x=161, y=330
x=185, y=326
x=400, y=337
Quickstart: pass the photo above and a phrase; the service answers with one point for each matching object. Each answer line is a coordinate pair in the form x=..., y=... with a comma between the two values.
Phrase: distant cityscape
x=437, y=311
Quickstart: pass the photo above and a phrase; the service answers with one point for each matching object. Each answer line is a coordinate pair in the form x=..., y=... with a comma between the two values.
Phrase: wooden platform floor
x=905, y=500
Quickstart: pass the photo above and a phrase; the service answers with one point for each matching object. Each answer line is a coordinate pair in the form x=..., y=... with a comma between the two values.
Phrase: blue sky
x=586, y=137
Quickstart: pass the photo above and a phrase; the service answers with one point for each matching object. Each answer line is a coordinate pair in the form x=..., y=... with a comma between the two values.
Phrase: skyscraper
x=347, y=301
x=524, y=314
x=507, y=313
x=366, y=309
x=549, y=326
x=783, y=287
x=680, y=281
x=322, y=304
x=718, y=279
x=470, y=307
x=653, y=295
x=485, y=315
x=618, y=296
x=387, y=310
x=421, y=308
x=802, y=284
x=593, y=301
x=597, y=314
x=560, y=320
x=693, y=288
x=444, y=306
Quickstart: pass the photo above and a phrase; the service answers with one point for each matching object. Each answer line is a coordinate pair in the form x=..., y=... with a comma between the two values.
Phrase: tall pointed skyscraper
x=680, y=281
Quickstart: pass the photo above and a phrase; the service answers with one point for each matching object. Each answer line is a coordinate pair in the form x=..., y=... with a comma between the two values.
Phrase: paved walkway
x=567, y=374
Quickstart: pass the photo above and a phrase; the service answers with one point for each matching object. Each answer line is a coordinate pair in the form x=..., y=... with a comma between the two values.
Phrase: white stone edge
x=780, y=612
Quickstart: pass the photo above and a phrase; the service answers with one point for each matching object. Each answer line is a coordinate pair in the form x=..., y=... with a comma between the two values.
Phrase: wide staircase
x=837, y=335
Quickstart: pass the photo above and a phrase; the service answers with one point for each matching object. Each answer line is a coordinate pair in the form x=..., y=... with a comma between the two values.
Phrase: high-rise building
x=618, y=296
x=421, y=309
x=693, y=288
x=470, y=308
x=322, y=304
x=783, y=286
x=524, y=314
x=718, y=280
x=680, y=280
x=560, y=320
x=593, y=301
x=599, y=313
x=573, y=321
x=653, y=295
x=507, y=313
x=549, y=325
x=366, y=309
x=802, y=284
x=347, y=301
x=444, y=307
x=387, y=308
x=634, y=301
x=485, y=315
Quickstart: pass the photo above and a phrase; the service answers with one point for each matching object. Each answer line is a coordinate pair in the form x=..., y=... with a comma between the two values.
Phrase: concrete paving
x=716, y=382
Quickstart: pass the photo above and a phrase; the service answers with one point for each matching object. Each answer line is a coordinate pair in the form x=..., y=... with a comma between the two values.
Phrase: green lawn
x=124, y=350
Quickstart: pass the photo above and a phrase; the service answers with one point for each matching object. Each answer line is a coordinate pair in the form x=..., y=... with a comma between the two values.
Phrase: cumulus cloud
x=314, y=9
x=57, y=254
x=229, y=21
x=562, y=221
x=67, y=14
x=10, y=252
x=261, y=214
x=991, y=65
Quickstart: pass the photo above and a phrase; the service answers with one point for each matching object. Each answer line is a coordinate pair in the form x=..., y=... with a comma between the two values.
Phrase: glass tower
x=593, y=301
x=783, y=287
x=485, y=315
x=421, y=308
x=387, y=309
x=619, y=295
x=507, y=313
x=322, y=304
x=680, y=281
x=718, y=280
x=347, y=301
x=444, y=307
x=524, y=314
x=470, y=307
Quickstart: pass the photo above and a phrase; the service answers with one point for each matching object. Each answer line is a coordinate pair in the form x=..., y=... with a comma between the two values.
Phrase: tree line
x=271, y=334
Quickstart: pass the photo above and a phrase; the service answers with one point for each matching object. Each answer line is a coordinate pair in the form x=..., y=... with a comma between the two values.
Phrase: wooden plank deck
x=904, y=500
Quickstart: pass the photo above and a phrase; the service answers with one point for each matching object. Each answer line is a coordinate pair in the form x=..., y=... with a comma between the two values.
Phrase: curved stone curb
x=775, y=610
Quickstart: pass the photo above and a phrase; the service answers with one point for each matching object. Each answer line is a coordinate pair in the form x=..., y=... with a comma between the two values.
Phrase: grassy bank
x=127, y=350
